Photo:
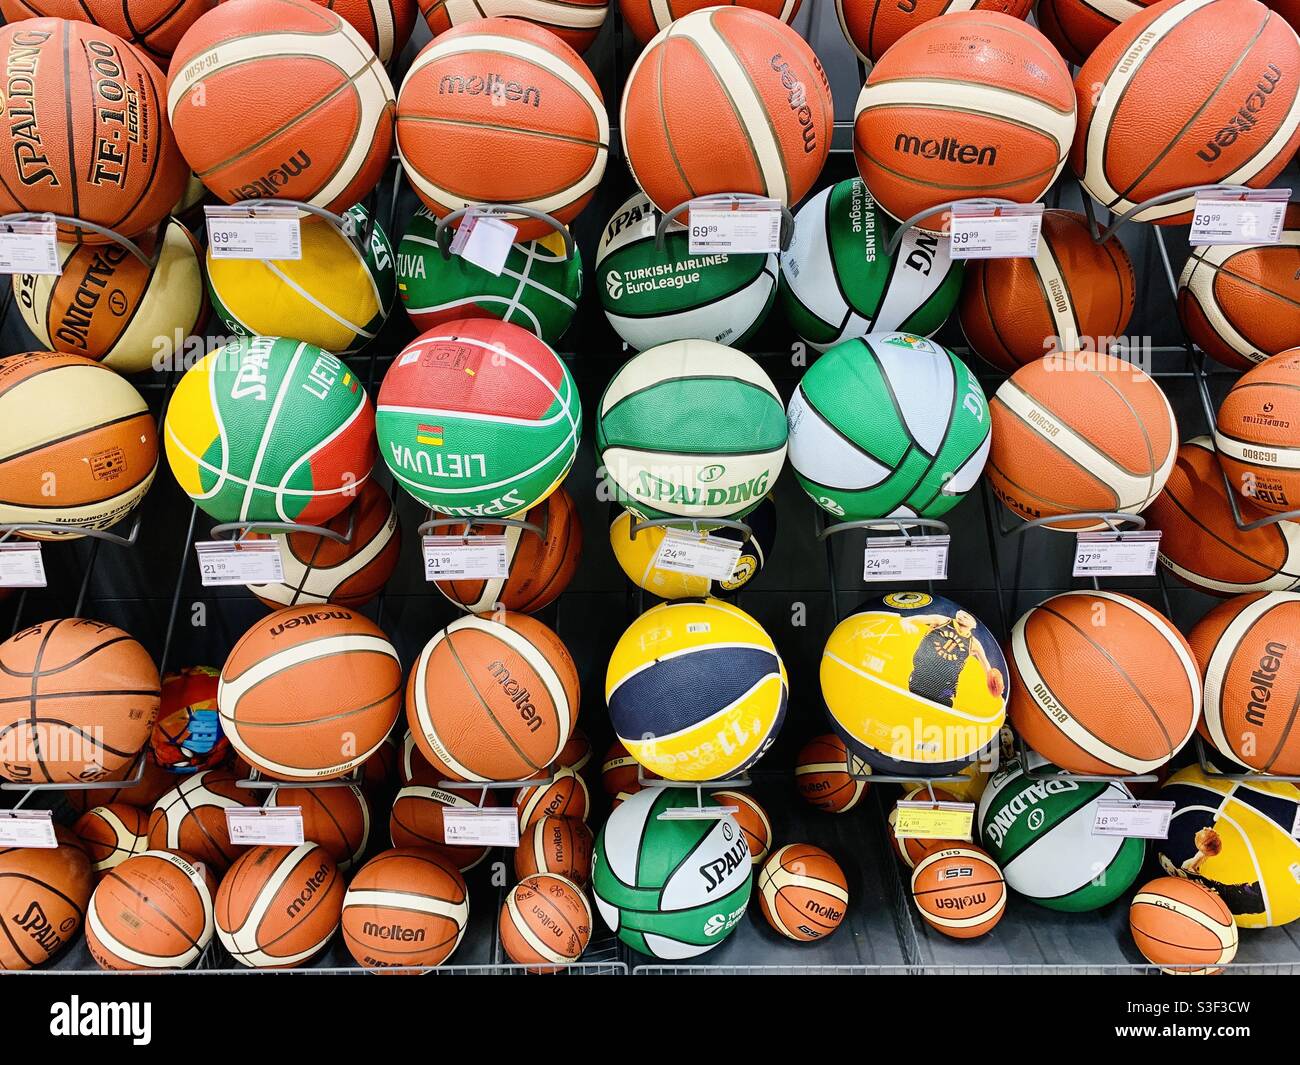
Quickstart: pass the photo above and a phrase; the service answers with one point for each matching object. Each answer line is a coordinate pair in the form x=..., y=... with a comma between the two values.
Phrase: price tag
x=484, y=240
x=27, y=828
x=908, y=558
x=29, y=248
x=449, y=558
x=1105, y=554
x=934, y=820
x=707, y=556
x=1147, y=819
x=227, y=562
x=254, y=232
x=1239, y=218
x=474, y=827
x=697, y=813
x=1295, y=828
x=1008, y=231
x=740, y=227
x=21, y=565
x=275, y=826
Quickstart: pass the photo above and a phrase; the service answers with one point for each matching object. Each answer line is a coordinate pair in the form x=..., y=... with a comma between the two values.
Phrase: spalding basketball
x=417, y=821
x=575, y=22
x=310, y=692
x=43, y=897
x=384, y=24
x=1210, y=83
x=78, y=150
x=78, y=700
x=154, y=911
x=1183, y=927
x=187, y=736
x=828, y=777
x=1076, y=27
x=872, y=27
x=969, y=104
x=337, y=819
x=1080, y=431
x=503, y=111
x=112, y=834
x=153, y=26
x=305, y=113
x=959, y=891
x=270, y=429
x=753, y=822
x=1255, y=435
x=545, y=922
x=560, y=845
x=647, y=17
x=802, y=892
x=751, y=85
x=191, y=818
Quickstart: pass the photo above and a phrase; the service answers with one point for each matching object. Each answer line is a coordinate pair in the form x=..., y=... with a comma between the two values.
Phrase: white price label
x=27, y=828
x=485, y=241
x=273, y=826
x=1107, y=554
x=481, y=827
x=746, y=226
x=1295, y=828
x=254, y=232
x=978, y=231
x=22, y=566
x=1147, y=819
x=907, y=558
x=29, y=248
x=706, y=556
x=1253, y=218
x=697, y=813
x=448, y=558
x=228, y=562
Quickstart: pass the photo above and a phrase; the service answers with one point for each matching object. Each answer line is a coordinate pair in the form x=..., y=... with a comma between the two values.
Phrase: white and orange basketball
x=959, y=891
x=191, y=817
x=753, y=822
x=828, y=776
x=645, y=18
x=1255, y=434
x=560, y=845
x=1183, y=927
x=111, y=834
x=545, y=922
x=153, y=26
x=575, y=22
x=872, y=27
x=336, y=818
x=620, y=773
x=154, y=911
x=1076, y=27
x=405, y=909
x=563, y=795
x=417, y=821
x=802, y=892
x=385, y=25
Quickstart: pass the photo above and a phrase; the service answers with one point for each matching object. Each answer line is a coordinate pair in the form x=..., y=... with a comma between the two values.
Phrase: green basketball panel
x=696, y=415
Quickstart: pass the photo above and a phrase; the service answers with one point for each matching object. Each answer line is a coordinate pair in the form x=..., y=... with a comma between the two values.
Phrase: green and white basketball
x=538, y=288
x=888, y=425
x=691, y=429
x=839, y=281
x=655, y=295
x=1040, y=831
x=672, y=889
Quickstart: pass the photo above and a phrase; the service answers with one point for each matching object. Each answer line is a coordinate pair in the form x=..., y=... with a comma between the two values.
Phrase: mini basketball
x=691, y=429
x=187, y=736
x=385, y=25
x=696, y=690
x=78, y=700
x=753, y=822
x=646, y=17
x=888, y=425
x=112, y=834
x=43, y=897
x=1255, y=434
x=911, y=849
x=872, y=27
x=152, y=26
x=1194, y=75
x=1102, y=684
x=479, y=419
x=492, y=697
x=959, y=891
x=1076, y=27
x=748, y=79
x=154, y=911
x=1183, y=927
x=310, y=692
x=417, y=821
x=502, y=111
x=269, y=429
x=545, y=922
x=321, y=130
x=828, y=777
x=802, y=892
x=191, y=818
x=564, y=795
x=575, y=22
x=914, y=684
x=78, y=447
x=559, y=845
x=338, y=819
x=970, y=104
x=1080, y=431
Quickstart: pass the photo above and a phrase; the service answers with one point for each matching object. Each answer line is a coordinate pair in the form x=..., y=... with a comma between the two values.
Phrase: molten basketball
x=565, y=795
x=575, y=22
x=753, y=822
x=338, y=819
x=1183, y=927
x=1255, y=434
x=417, y=821
x=959, y=891
x=802, y=892
x=384, y=24
x=192, y=817
x=1076, y=27
x=560, y=845
x=43, y=897
x=647, y=17
x=872, y=27
x=620, y=772
x=545, y=919
x=153, y=26
x=112, y=834
x=828, y=776
x=154, y=911
x=911, y=849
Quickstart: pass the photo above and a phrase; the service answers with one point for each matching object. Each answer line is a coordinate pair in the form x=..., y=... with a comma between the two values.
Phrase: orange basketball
x=413, y=767
x=304, y=113
x=277, y=907
x=416, y=821
x=1213, y=88
x=154, y=782
x=959, y=891
x=1255, y=433
x=1074, y=295
x=1080, y=431
x=620, y=772
x=645, y=18
x=545, y=922
x=77, y=702
x=502, y=111
x=405, y=908
x=310, y=692
x=89, y=137
x=576, y=754
x=154, y=911
x=726, y=100
x=828, y=776
x=540, y=566
x=192, y=817
x=575, y=22
x=1183, y=927
x=974, y=103
x=560, y=845
x=492, y=697
x=1201, y=542
x=153, y=26
x=753, y=822
x=112, y=834
x=873, y=26
x=43, y=897
x=336, y=818
x=802, y=892
x=911, y=849
x=1102, y=684
x=565, y=795
x=384, y=24
x=1076, y=27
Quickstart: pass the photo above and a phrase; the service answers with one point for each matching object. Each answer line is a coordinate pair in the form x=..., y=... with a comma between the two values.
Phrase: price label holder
x=1295, y=828
x=683, y=551
x=987, y=231
x=907, y=558
x=1112, y=554
x=449, y=558
x=484, y=240
x=275, y=826
x=30, y=247
x=740, y=227
x=28, y=828
x=1145, y=818
x=481, y=827
x=272, y=232
x=1253, y=217
x=22, y=565
x=229, y=562
x=934, y=820
x=697, y=813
